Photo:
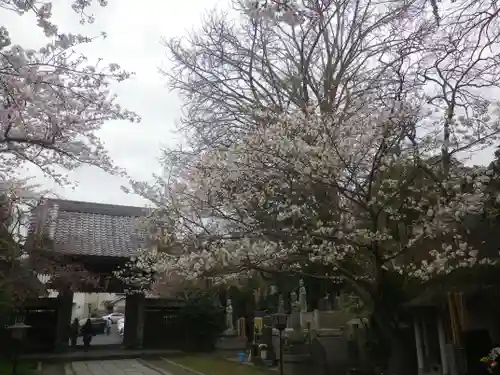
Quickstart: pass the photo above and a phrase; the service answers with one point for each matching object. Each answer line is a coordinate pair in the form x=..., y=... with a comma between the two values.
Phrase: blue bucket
x=241, y=356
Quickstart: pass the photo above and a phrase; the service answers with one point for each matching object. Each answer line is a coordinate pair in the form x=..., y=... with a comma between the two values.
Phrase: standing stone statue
x=229, y=316
x=302, y=296
x=273, y=289
x=281, y=304
x=295, y=315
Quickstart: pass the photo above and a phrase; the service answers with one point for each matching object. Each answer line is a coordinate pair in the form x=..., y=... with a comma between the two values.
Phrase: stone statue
x=281, y=304
x=229, y=316
x=273, y=289
x=295, y=315
x=294, y=304
x=302, y=296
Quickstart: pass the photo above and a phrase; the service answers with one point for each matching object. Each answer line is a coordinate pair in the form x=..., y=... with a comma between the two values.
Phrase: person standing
x=74, y=330
x=87, y=334
x=109, y=322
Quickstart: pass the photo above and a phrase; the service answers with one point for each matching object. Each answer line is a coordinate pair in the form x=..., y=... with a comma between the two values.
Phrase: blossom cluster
x=363, y=174
x=53, y=100
x=287, y=11
x=303, y=187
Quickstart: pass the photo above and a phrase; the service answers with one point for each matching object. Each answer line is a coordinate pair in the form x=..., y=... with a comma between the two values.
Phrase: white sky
x=135, y=29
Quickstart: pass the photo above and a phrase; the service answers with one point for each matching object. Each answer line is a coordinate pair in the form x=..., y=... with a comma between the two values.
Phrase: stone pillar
x=64, y=310
x=418, y=345
x=134, y=321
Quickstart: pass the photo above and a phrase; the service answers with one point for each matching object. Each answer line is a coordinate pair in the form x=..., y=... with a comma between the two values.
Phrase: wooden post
x=134, y=326
x=425, y=340
x=64, y=310
x=425, y=343
x=418, y=345
x=442, y=347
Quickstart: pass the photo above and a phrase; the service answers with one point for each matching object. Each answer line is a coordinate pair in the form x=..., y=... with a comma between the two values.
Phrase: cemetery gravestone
x=267, y=338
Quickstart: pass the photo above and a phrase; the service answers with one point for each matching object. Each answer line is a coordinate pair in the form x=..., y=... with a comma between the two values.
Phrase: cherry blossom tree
x=226, y=70
x=53, y=100
x=357, y=165
x=308, y=189
x=26, y=274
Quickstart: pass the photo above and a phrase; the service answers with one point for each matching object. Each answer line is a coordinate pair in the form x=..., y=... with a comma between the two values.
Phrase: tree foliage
x=331, y=132
x=53, y=99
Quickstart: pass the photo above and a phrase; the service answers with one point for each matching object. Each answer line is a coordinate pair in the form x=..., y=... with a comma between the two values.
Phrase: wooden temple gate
x=102, y=238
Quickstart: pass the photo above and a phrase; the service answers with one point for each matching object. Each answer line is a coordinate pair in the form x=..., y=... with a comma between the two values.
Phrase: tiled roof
x=85, y=228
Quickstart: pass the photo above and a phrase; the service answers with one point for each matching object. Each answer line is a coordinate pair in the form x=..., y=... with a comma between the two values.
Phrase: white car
x=114, y=317
x=120, y=326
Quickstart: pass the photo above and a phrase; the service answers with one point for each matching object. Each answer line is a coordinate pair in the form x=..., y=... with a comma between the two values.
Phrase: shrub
x=203, y=322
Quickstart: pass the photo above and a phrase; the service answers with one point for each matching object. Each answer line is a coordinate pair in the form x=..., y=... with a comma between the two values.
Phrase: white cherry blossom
x=53, y=100
x=307, y=188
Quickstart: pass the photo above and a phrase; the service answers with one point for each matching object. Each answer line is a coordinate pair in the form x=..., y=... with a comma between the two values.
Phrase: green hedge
x=203, y=322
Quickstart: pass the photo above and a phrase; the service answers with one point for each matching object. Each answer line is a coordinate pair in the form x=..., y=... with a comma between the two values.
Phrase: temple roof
x=90, y=229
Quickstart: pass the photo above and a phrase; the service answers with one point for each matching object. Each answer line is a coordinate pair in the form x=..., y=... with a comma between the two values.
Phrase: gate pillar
x=64, y=311
x=134, y=321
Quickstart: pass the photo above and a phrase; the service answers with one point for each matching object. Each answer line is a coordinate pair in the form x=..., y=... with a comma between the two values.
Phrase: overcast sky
x=134, y=29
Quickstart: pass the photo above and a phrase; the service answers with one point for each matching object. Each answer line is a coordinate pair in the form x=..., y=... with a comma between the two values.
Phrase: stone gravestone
x=296, y=336
x=258, y=326
x=267, y=337
x=297, y=357
x=324, y=303
x=307, y=320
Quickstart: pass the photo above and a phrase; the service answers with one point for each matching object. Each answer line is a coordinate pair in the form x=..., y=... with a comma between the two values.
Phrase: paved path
x=117, y=367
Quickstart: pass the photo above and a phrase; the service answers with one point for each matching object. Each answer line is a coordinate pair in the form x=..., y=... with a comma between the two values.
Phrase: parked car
x=98, y=325
x=120, y=326
x=115, y=317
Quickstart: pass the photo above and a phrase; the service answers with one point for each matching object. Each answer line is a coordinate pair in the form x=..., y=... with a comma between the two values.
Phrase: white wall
x=81, y=303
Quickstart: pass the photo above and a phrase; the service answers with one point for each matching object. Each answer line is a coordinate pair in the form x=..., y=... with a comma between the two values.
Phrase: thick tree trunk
x=401, y=352
x=401, y=357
